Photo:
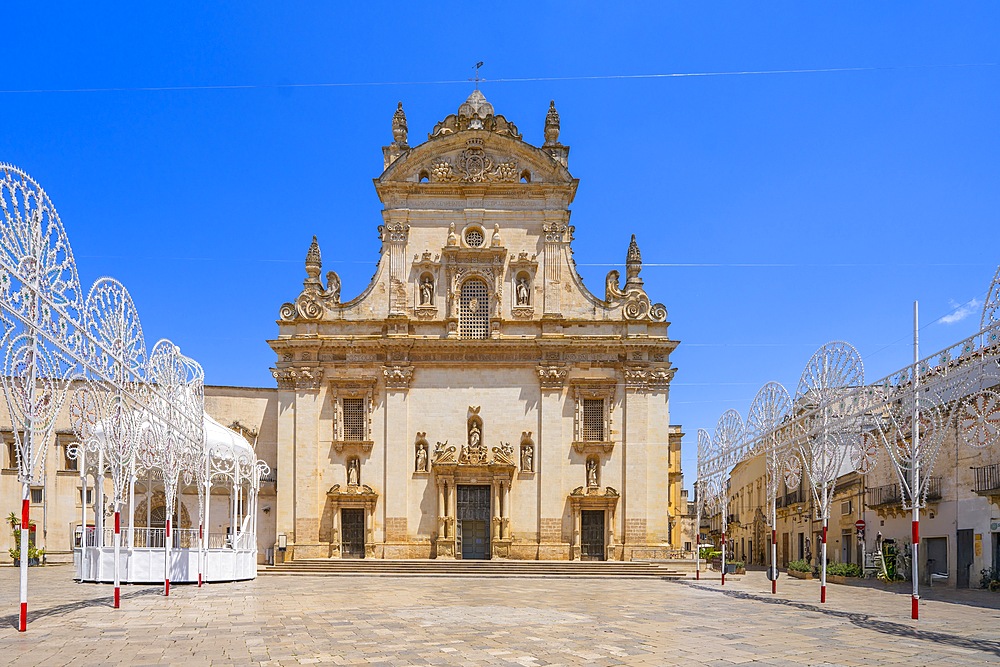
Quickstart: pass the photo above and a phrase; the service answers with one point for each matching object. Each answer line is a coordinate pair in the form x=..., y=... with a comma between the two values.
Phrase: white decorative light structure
x=838, y=424
x=131, y=413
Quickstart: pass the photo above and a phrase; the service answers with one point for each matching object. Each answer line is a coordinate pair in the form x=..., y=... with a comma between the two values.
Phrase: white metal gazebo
x=225, y=477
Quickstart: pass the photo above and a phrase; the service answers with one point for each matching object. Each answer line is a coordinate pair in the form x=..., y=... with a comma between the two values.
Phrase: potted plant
x=736, y=567
x=838, y=573
x=800, y=569
x=35, y=556
x=990, y=579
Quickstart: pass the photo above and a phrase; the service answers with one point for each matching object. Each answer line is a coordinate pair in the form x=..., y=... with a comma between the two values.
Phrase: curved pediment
x=476, y=156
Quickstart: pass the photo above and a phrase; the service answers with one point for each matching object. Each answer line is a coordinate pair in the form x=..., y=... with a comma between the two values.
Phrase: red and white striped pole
x=723, y=557
x=822, y=572
x=774, y=559
x=25, y=523
x=201, y=534
x=118, y=554
x=167, y=543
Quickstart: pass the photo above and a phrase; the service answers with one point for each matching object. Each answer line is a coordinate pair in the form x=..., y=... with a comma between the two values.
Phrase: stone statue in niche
x=354, y=472
x=475, y=452
x=421, y=458
x=592, y=473
x=427, y=291
x=523, y=294
x=527, y=458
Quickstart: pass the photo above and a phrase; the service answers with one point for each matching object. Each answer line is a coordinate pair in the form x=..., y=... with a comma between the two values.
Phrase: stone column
x=505, y=523
x=577, y=544
x=336, y=538
x=550, y=454
x=309, y=498
x=442, y=511
x=285, y=500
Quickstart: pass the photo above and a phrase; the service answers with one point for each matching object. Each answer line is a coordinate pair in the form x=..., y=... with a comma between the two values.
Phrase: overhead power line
x=444, y=82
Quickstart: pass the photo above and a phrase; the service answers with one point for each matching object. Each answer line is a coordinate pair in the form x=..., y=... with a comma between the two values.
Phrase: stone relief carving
x=444, y=453
x=356, y=490
x=314, y=299
x=475, y=114
x=635, y=304
x=504, y=454
x=473, y=165
x=397, y=377
x=298, y=378
x=552, y=376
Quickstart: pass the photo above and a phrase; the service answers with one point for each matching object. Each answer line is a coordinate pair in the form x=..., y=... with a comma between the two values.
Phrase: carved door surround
x=448, y=476
x=361, y=497
x=593, y=499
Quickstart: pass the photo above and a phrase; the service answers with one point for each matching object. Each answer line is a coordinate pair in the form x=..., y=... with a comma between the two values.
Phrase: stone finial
x=633, y=265
x=399, y=129
x=476, y=106
x=452, y=236
x=314, y=263
x=496, y=242
x=552, y=125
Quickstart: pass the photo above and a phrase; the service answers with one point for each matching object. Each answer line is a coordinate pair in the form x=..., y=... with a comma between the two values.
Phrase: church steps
x=507, y=568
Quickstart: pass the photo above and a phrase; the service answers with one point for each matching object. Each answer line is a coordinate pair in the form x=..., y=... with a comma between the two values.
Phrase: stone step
x=374, y=567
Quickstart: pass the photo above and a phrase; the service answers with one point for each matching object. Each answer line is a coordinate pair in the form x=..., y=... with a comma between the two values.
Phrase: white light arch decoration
x=131, y=413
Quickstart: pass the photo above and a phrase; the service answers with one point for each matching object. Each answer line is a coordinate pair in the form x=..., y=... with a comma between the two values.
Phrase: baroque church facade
x=476, y=400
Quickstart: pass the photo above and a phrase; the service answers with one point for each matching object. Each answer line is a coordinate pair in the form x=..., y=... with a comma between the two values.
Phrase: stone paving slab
x=490, y=621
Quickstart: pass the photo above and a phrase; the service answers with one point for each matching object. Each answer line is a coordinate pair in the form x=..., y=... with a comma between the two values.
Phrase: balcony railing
x=892, y=494
x=793, y=497
x=880, y=496
x=987, y=479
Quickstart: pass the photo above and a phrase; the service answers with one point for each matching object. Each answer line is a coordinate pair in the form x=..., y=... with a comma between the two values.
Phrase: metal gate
x=474, y=521
x=352, y=529
x=592, y=535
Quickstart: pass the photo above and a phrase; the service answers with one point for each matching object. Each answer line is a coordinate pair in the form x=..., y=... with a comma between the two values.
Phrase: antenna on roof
x=477, y=79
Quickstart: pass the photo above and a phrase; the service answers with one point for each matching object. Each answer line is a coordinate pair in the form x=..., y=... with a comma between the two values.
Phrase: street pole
x=697, y=532
x=915, y=468
x=725, y=506
x=773, y=496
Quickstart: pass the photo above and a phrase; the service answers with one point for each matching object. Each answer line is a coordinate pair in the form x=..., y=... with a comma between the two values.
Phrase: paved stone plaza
x=287, y=620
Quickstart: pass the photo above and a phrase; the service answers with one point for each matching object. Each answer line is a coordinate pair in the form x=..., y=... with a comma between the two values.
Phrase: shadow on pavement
x=865, y=621
x=59, y=610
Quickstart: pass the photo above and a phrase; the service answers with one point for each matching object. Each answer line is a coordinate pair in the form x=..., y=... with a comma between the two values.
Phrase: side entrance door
x=966, y=555
x=474, y=521
x=352, y=530
x=592, y=535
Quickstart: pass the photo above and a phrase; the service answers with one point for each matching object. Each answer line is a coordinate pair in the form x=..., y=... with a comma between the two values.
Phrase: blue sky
x=863, y=190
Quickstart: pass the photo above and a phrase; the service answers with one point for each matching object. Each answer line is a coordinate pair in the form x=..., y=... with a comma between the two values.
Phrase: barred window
x=474, y=311
x=90, y=495
x=354, y=419
x=36, y=495
x=593, y=419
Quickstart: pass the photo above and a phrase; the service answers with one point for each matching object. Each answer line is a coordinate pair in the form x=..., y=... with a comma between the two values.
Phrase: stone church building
x=476, y=400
